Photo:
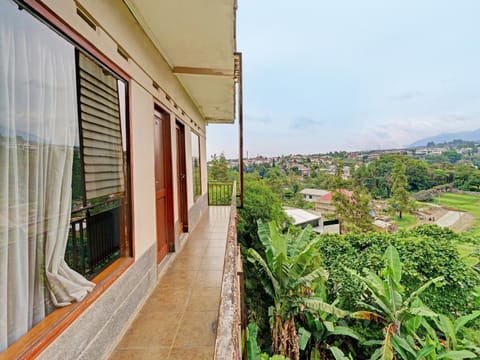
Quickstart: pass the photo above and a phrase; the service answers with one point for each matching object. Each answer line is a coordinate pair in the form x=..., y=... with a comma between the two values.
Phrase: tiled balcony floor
x=179, y=319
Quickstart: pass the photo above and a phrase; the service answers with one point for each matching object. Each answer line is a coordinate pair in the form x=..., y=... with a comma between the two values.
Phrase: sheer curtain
x=38, y=121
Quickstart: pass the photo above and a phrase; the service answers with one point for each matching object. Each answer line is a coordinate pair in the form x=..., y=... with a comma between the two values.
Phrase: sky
x=353, y=75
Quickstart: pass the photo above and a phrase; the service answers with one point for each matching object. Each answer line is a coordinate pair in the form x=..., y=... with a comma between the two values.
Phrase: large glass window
x=197, y=180
x=62, y=184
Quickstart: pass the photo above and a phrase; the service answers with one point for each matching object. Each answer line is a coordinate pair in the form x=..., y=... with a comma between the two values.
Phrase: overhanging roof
x=197, y=39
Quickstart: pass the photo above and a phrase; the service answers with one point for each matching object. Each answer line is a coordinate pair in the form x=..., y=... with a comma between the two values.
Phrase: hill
x=463, y=135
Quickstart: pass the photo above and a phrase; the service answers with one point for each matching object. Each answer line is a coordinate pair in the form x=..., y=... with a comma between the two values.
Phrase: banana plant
x=444, y=340
x=253, y=350
x=400, y=314
x=318, y=329
x=291, y=275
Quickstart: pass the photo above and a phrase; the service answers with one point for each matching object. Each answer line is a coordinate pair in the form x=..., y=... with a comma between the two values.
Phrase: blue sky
x=352, y=75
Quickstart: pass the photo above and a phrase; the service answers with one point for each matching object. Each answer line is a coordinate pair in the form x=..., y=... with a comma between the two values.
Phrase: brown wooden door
x=164, y=210
x=181, y=179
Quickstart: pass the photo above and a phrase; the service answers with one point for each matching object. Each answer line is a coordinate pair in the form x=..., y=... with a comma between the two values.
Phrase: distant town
x=308, y=186
x=304, y=164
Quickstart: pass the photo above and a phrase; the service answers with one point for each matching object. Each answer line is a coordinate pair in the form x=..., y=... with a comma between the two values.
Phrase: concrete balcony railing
x=229, y=326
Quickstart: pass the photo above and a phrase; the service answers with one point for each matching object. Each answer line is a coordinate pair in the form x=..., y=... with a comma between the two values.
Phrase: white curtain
x=38, y=116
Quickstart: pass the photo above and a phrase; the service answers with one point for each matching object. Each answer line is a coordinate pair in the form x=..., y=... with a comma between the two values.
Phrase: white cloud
x=399, y=132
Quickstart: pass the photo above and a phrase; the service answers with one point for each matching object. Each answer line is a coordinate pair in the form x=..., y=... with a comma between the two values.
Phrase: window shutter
x=100, y=130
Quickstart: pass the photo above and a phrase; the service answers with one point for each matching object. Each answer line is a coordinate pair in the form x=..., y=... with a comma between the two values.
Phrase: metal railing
x=220, y=193
x=94, y=238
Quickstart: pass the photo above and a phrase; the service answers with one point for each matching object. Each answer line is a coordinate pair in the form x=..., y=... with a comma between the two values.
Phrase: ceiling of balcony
x=197, y=39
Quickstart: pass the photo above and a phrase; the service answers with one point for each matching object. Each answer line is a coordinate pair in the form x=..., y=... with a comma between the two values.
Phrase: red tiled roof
x=329, y=196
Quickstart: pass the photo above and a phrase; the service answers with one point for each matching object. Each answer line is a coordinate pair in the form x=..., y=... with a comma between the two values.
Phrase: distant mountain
x=464, y=135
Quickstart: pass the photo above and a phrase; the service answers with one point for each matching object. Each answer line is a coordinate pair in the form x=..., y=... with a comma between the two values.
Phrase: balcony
x=193, y=313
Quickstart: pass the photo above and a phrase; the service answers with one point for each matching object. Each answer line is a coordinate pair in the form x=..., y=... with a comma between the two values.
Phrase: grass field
x=464, y=202
x=406, y=221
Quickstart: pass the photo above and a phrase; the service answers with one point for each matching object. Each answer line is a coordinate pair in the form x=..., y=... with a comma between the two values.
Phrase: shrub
x=427, y=252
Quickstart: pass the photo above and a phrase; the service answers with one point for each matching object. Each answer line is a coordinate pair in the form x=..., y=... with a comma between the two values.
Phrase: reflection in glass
x=197, y=181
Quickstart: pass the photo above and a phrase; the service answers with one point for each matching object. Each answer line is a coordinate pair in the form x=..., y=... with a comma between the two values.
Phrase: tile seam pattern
x=197, y=316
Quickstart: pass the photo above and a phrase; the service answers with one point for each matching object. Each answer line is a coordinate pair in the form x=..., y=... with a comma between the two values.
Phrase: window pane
x=38, y=121
x=197, y=181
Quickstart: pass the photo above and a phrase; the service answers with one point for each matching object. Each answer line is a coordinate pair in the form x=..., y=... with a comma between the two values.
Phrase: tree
x=400, y=197
x=276, y=179
x=353, y=212
x=417, y=173
x=452, y=156
x=292, y=276
x=218, y=169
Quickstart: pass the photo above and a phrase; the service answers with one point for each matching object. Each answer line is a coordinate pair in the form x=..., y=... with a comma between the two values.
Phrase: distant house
x=325, y=202
x=304, y=218
x=304, y=170
x=313, y=194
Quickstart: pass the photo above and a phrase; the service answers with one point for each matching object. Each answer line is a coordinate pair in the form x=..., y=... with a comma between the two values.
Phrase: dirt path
x=456, y=220
x=449, y=219
x=464, y=223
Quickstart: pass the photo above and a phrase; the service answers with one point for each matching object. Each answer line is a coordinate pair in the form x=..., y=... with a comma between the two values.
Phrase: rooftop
x=300, y=216
x=314, y=192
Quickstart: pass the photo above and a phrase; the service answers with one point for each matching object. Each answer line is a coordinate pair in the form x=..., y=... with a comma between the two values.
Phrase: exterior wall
x=97, y=330
x=143, y=182
x=326, y=207
x=115, y=27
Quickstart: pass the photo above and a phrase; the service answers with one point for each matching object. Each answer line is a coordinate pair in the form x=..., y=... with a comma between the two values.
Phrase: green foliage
x=253, y=350
x=387, y=302
x=353, y=212
x=426, y=251
x=292, y=277
x=378, y=176
x=447, y=339
x=400, y=198
x=260, y=204
x=218, y=168
x=77, y=182
x=452, y=156
x=466, y=177
x=319, y=330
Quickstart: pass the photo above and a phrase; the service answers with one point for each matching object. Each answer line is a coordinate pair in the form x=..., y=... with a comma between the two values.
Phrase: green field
x=406, y=221
x=464, y=202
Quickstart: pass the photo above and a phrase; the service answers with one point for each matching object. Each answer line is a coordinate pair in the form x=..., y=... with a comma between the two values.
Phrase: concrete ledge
x=227, y=342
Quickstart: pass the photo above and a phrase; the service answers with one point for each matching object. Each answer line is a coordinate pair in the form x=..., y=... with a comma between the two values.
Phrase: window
x=197, y=180
x=95, y=234
x=63, y=160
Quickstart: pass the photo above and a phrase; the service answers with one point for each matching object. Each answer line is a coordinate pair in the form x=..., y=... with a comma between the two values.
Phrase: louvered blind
x=101, y=130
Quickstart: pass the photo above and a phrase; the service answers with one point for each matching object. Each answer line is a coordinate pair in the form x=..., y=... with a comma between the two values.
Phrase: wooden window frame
x=46, y=331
